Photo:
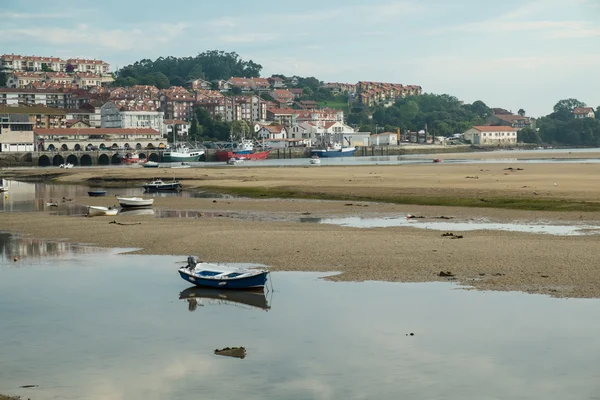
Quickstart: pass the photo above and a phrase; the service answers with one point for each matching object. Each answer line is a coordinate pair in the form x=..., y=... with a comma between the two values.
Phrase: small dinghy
x=97, y=193
x=150, y=164
x=66, y=166
x=132, y=202
x=315, y=160
x=97, y=211
x=217, y=276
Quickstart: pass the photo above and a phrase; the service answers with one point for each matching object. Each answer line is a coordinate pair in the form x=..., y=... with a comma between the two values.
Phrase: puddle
x=360, y=222
x=154, y=336
x=27, y=196
x=27, y=250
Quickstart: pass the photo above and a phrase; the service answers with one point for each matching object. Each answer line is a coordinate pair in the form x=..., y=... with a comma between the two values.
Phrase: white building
x=315, y=132
x=584, y=112
x=12, y=140
x=113, y=117
x=491, y=135
x=72, y=139
x=176, y=125
x=384, y=139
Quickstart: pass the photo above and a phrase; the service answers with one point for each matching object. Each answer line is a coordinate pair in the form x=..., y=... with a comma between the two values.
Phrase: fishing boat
x=130, y=158
x=243, y=150
x=198, y=296
x=96, y=211
x=97, y=193
x=217, y=276
x=234, y=161
x=334, y=150
x=315, y=160
x=151, y=164
x=182, y=152
x=157, y=185
x=132, y=202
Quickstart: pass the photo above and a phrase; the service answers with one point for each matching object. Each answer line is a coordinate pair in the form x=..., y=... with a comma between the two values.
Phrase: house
x=76, y=124
x=65, y=139
x=182, y=128
x=306, y=105
x=38, y=116
x=276, y=82
x=16, y=133
x=283, y=97
x=124, y=117
x=313, y=132
x=224, y=86
x=370, y=94
x=284, y=116
x=515, y=121
x=584, y=112
x=260, y=84
x=297, y=92
x=384, y=139
x=177, y=103
x=491, y=135
x=244, y=84
x=200, y=84
x=85, y=66
x=273, y=132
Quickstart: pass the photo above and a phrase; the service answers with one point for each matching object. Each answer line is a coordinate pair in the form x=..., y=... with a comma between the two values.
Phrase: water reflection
x=160, y=213
x=25, y=249
x=28, y=196
x=196, y=296
x=124, y=336
x=385, y=222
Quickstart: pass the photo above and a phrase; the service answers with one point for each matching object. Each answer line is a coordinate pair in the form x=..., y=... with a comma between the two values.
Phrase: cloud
x=84, y=35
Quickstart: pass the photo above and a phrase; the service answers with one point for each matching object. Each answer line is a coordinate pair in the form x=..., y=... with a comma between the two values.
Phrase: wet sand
x=487, y=260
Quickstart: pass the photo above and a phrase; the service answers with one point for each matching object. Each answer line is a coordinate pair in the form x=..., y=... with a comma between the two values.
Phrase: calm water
x=92, y=324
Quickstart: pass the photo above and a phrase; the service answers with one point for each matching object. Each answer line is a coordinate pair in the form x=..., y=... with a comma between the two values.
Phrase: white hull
x=134, y=202
x=3, y=189
x=97, y=211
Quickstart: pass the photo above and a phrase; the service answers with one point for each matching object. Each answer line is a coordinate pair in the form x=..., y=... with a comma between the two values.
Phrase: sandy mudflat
x=264, y=230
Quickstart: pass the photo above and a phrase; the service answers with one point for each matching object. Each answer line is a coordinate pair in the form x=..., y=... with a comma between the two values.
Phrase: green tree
x=196, y=72
x=597, y=112
x=160, y=80
x=568, y=105
x=46, y=68
x=528, y=135
x=236, y=90
x=194, y=131
x=240, y=129
x=521, y=112
x=3, y=79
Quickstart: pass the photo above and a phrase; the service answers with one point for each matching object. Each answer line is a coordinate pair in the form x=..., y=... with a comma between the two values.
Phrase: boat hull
x=95, y=211
x=227, y=155
x=174, y=156
x=97, y=193
x=134, y=203
x=251, y=282
x=324, y=153
x=162, y=188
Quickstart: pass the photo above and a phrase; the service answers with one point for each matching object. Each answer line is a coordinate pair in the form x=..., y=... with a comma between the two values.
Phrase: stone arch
x=126, y=146
x=89, y=147
x=115, y=146
x=64, y=147
x=150, y=146
x=86, y=160
x=44, y=161
x=72, y=159
x=115, y=159
x=51, y=147
x=138, y=146
x=102, y=146
x=142, y=156
x=27, y=157
x=102, y=160
x=77, y=147
x=161, y=146
x=153, y=157
x=57, y=160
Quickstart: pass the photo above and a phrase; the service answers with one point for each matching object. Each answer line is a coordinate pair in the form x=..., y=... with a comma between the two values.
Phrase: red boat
x=225, y=155
x=130, y=158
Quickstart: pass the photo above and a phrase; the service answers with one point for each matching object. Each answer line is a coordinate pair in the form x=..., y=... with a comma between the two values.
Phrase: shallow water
x=27, y=196
x=99, y=325
x=461, y=226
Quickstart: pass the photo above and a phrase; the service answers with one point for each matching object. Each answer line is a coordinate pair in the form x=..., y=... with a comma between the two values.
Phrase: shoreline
x=266, y=230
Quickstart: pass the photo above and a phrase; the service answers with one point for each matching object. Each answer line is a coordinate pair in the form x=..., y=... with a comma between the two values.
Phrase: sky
x=512, y=54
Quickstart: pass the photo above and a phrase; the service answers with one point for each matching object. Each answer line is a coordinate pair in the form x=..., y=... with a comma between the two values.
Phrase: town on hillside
x=75, y=95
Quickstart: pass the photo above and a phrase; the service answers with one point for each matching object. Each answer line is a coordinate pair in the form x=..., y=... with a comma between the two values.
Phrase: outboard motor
x=191, y=262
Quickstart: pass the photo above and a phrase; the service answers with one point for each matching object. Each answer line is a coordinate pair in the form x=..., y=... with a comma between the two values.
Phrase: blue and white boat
x=217, y=276
x=334, y=150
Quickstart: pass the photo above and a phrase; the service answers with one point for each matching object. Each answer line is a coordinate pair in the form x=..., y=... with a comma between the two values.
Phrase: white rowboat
x=134, y=202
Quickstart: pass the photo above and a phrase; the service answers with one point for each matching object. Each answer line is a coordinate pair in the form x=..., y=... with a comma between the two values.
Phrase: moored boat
x=97, y=193
x=96, y=211
x=217, y=276
x=244, y=150
x=130, y=158
x=315, y=160
x=132, y=202
x=158, y=185
x=151, y=164
x=66, y=166
x=334, y=150
x=182, y=153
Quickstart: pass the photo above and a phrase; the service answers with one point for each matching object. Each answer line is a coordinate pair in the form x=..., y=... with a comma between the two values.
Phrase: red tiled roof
x=583, y=110
x=489, y=128
x=96, y=131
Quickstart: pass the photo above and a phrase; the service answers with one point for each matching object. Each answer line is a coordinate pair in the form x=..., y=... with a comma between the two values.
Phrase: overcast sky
x=511, y=54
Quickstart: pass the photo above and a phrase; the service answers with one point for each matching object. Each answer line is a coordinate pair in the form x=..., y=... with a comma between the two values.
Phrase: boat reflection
x=136, y=212
x=14, y=248
x=196, y=296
